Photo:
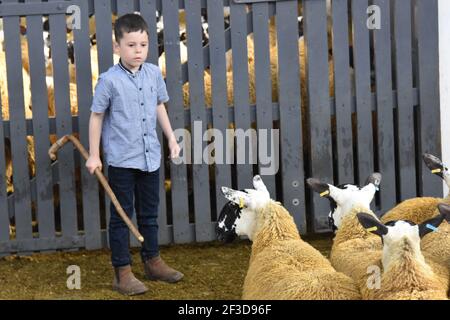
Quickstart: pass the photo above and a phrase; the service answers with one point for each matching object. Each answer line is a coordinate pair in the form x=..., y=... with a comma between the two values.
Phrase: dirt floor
x=212, y=271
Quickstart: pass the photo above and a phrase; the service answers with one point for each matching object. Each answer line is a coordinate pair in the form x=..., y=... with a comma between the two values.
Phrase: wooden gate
x=346, y=100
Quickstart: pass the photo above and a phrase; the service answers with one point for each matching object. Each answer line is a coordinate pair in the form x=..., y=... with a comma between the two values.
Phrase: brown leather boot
x=126, y=283
x=156, y=269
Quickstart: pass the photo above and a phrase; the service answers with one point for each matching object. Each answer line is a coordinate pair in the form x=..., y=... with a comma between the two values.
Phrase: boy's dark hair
x=130, y=22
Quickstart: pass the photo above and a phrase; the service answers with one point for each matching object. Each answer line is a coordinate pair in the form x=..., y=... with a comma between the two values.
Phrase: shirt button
x=145, y=134
x=143, y=120
x=140, y=89
x=142, y=103
x=146, y=150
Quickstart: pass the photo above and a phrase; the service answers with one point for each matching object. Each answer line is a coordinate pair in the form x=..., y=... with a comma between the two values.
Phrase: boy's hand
x=174, y=149
x=92, y=163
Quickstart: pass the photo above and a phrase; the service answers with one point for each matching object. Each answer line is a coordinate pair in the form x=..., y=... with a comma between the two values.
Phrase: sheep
x=406, y=273
x=4, y=89
x=354, y=250
x=51, y=98
x=350, y=195
x=417, y=210
x=421, y=208
x=6, y=116
x=282, y=266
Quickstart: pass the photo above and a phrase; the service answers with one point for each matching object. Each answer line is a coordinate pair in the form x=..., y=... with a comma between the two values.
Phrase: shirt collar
x=126, y=69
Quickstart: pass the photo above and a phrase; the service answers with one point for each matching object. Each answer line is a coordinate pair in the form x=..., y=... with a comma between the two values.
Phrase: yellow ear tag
x=436, y=170
x=325, y=193
x=372, y=229
x=241, y=203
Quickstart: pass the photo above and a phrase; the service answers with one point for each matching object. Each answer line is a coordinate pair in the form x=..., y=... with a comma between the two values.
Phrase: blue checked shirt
x=129, y=102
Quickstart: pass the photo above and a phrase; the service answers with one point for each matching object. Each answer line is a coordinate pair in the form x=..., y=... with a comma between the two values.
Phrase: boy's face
x=133, y=49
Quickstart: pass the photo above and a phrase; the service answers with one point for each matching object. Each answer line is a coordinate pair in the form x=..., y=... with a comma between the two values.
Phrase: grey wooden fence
x=382, y=114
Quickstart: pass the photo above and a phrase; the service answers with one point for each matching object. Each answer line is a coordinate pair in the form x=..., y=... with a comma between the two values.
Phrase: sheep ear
x=433, y=223
x=258, y=184
x=320, y=187
x=239, y=197
x=372, y=224
x=445, y=210
x=430, y=225
x=434, y=164
x=375, y=179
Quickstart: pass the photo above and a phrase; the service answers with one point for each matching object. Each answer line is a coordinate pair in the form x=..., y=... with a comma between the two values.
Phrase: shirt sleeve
x=163, y=97
x=102, y=96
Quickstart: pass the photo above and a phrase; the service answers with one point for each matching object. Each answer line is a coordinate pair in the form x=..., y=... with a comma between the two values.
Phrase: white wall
x=444, y=78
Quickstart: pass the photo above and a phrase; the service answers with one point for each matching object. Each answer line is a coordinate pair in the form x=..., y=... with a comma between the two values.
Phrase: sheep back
x=295, y=270
x=354, y=249
x=410, y=281
x=416, y=210
x=435, y=245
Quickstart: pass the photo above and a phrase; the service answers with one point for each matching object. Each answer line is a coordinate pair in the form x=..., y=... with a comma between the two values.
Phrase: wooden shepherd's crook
x=52, y=153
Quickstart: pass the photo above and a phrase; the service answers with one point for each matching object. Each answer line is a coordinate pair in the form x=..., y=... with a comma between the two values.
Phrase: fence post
x=444, y=79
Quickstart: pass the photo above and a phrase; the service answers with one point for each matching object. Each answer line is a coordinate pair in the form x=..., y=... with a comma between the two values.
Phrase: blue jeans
x=136, y=190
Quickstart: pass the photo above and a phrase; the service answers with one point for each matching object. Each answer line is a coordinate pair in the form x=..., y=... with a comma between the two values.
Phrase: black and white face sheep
x=344, y=197
x=226, y=223
x=47, y=43
x=402, y=230
x=282, y=265
x=420, y=209
x=407, y=274
x=237, y=217
x=437, y=167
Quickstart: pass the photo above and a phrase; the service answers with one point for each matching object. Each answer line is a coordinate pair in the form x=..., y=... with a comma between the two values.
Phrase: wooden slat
x=103, y=23
x=91, y=205
x=385, y=121
x=206, y=62
x=148, y=11
x=200, y=173
x=125, y=6
x=414, y=44
x=178, y=176
x=22, y=201
x=361, y=58
x=319, y=107
x=428, y=81
x=405, y=111
x=44, y=182
x=290, y=113
x=4, y=210
x=342, y=91
x=103, y=31
x=63, y=124
x=219, y=91
x=263, y=86
x=41, y=244
x=238, y=18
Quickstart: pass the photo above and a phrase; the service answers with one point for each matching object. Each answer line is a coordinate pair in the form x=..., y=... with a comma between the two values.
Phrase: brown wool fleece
x=354, y=249
x=407, y=278
x=282, y=266
x=435, y=245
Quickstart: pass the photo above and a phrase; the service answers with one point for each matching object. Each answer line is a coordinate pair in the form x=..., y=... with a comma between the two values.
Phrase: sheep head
x=345, y=197
x=437, y=167
x=402, y=236
x=238, y=216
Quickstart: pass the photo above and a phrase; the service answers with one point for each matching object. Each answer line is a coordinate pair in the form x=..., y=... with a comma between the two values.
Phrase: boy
x=128, y=99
